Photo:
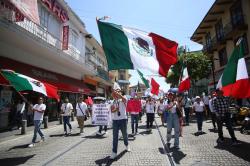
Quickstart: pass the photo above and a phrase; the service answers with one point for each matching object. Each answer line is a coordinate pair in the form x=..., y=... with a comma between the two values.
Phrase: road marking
x=165, y=148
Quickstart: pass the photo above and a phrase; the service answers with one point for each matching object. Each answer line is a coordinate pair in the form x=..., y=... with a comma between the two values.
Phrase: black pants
x=150, y=120
x=228, y=121
x=187, y=112
x=103, y=128
x=208, y=112
x=213, y=115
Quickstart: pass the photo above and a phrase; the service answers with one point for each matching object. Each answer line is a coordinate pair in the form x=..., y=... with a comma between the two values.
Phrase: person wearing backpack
x=81, y=113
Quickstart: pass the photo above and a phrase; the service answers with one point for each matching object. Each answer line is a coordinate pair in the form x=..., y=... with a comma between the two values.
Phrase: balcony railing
x=41, y=32
x=102, y=73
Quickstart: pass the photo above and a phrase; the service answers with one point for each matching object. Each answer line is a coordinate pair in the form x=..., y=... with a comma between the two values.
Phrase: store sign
x=56, y=8
x=65, y=41
x=9, y=11
x=44, y=75
x=101, y=114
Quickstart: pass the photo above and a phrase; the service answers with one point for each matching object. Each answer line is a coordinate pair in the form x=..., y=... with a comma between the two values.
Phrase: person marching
x=173, y=120
x=221, y=105
x=119, y=119
x=66, y=109
x=38, y=110
x=199, y=108
x=187, y=104
x=161, y=109
x=81, y=113
x=213, y=111
x=134, y=107
x=150, y=111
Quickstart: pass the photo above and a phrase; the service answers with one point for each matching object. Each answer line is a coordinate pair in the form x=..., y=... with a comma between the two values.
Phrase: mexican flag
x=144, y=80
x=235, y=80
x=22, y=83
x=154, y=87
x=185, y=80
x=129, y=48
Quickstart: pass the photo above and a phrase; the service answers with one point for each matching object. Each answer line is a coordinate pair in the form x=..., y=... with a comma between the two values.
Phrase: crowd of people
x=174, y=110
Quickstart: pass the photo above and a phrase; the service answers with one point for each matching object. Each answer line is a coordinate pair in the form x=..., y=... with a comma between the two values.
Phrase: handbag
x=85, y=116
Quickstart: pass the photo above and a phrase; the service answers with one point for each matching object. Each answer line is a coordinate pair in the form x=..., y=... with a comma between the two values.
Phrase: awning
x=3, y=81
x=70, y=88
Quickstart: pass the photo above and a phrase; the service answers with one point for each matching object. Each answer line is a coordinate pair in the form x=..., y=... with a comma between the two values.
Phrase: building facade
x=225, y=22
x=53, y=50
x=122, y=78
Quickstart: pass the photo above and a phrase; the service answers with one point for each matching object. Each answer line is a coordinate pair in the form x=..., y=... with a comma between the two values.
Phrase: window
x=44, y=17
x=208, y=39
x=244, y=42
x=219, y=30
x=237, y=14
x=121, y=77
x=74, y=38
x=223, y=56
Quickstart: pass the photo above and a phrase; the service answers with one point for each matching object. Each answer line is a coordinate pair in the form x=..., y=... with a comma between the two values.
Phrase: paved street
x=147, y=149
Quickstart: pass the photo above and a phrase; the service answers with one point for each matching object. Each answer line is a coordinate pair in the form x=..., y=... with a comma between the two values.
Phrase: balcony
x=102, y=73
x=211, y=46
x=235, y=26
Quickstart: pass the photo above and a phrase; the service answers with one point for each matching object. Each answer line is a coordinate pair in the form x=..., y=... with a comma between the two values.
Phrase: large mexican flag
x=235, y=80
x=22, y=83
x=129, y=48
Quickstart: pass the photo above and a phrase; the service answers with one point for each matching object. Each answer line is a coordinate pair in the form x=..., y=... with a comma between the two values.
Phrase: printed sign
x=65, y=37
x=101, y=114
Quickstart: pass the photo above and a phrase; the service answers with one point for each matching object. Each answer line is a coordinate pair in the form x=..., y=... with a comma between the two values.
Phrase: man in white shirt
x=199, y=108
x=81, y=113
x=39, y=110
x=206, y=102
x=119, y=120
x=66, y=109
x=212, y=109
x=150, y=110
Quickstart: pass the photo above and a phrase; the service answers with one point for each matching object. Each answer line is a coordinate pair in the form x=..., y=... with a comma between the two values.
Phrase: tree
x=199, y=66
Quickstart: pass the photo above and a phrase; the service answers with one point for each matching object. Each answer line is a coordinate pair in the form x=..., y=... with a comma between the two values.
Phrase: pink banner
x=28, y=8
x=65, y=37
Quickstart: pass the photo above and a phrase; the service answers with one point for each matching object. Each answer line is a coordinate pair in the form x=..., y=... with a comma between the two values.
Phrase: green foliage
x=199, y=66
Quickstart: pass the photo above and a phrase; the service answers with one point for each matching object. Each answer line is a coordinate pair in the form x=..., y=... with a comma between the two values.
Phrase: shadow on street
x=107, y=161
x=238, y=150
x=15, y=161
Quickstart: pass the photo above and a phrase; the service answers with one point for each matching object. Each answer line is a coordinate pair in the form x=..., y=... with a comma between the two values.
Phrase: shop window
x=219, y=30
x=244, y=42
x=223, y=56
x=237, y=14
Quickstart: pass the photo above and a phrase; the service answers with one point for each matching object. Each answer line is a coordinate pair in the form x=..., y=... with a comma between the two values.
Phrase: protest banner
x=101, y=114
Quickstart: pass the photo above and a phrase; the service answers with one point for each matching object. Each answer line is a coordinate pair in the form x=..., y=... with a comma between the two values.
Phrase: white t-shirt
x=122, y=109
x=39, y=115
x=161, y=108
x=211, y=107
x=206, y=100
x=173, y=109
x=66, y=109
x=199, y=107
x=150, y=108
x=81, y=108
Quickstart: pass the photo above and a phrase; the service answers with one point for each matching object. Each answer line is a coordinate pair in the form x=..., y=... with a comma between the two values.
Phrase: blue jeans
x=37, y=124
x=119, y=125
x=66, y=122
x=173, y=122
x=134, y=122
x=199, y=116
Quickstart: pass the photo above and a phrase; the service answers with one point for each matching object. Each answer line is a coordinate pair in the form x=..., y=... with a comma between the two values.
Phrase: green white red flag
x=154, y=87
x=185, y=80
x=235, y=81
x=24, y=83
x=129, y=48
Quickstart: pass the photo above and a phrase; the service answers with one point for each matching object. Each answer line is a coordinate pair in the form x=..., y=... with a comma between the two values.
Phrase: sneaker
x=42, y=139
x=113, y=156
x=65, y=133
x=20, y=128
x=98, y=133
x=105, y=132
x=176, y=147
x=128, y=149
x=235, y=143
x=31, y=145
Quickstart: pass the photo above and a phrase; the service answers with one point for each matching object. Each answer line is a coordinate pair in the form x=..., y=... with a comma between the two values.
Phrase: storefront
x=67, y=87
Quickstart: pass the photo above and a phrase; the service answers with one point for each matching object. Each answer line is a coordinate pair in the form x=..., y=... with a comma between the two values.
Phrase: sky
x=172, y=19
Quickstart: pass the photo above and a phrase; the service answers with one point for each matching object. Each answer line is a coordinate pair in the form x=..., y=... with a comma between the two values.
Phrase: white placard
x=101, y=114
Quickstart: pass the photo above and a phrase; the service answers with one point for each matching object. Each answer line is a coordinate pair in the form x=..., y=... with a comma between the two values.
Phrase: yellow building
x=225, y=22
x=122, y=78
